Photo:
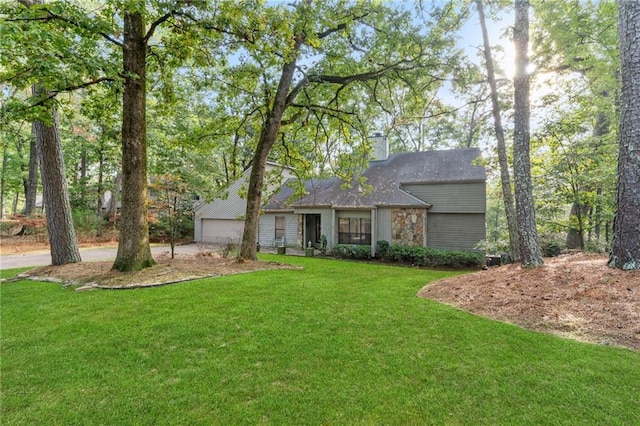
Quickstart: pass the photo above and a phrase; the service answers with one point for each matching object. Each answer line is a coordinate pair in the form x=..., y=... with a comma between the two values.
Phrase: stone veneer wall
x=407, y=226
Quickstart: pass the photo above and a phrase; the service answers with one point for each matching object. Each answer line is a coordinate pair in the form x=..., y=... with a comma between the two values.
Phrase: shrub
x=493, y=247
x=6, y=228
x=382, y=249
x=352, y=251
x=596, y=246
x=551, y=248
x=430, y=257
x=229, y=249
x=87, y=223
x=323, y=244
x=160, y=228
x=551, y=244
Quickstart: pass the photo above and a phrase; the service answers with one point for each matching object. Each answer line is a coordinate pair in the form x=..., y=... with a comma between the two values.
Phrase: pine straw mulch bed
x=184, y=267
x=574, y=295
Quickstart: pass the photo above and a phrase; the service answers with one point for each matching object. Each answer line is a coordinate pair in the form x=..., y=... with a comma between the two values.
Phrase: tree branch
x=157, y=23
x=346, y=80
x=330, y=31
x=323, y=108
x=106, y=36
x=53, y=93
x=83, y=85
x=339, y=27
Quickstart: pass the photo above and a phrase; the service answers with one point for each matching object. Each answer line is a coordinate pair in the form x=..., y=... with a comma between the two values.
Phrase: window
x=354, y=230
x=279, y=227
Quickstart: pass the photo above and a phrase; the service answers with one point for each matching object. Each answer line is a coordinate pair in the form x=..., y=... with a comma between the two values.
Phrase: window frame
x=352, y=230
x=280, y=232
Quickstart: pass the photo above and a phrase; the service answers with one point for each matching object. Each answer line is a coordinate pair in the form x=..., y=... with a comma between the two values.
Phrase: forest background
x=413, y=71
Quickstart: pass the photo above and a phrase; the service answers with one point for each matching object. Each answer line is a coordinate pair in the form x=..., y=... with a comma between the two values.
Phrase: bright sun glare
x=508, y=59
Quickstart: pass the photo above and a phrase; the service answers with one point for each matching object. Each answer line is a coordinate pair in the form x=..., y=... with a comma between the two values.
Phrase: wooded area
x=115, y=96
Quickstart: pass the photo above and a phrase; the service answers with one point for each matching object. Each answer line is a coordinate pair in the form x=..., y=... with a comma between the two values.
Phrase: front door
x=312, y=230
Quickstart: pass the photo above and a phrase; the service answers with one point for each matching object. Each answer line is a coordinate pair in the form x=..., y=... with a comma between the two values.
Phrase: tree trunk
x=268, y=136
x=100, y=191
x=134, y=252
x=625, y=248
x=597, y=214
x=32, y=180
x=525, y=213
x=83, y=164
x=575, y=234
x=100, y=184
x=113, y=202
x=3, y=181
x=14, y=209
x=23, y=165
x=505, y=178
x=600, y=130
x=62, y=236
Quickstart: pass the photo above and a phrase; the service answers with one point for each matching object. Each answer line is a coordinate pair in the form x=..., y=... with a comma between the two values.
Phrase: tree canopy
x=222, y=85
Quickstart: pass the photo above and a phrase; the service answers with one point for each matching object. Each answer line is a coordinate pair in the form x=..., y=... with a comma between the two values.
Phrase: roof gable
x=229, y=203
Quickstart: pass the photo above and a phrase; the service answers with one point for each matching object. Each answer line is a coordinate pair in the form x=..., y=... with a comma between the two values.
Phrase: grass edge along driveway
x=337, y=343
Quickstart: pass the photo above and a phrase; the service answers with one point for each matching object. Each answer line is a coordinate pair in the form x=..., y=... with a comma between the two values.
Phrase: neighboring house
x=433, y=199
x=222, y=220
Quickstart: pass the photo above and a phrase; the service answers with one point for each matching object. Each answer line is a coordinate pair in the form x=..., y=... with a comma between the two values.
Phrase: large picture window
x=354, y=230
x=279, y=227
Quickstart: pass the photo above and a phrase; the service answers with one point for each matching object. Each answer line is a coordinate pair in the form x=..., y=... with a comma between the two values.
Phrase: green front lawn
x=339, y=343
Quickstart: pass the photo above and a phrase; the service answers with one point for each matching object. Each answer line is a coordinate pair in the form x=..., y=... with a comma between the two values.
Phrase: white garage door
x=222, y=230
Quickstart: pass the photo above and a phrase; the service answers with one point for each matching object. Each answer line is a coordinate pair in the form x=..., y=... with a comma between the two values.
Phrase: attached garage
x=221, y=220
x=221, y=230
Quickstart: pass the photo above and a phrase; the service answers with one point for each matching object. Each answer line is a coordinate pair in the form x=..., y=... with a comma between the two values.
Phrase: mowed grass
x=338, y=343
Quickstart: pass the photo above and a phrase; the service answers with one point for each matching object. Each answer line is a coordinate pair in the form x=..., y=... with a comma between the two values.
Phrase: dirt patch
x=575, y=296
x=166, y=271
x=19, y=244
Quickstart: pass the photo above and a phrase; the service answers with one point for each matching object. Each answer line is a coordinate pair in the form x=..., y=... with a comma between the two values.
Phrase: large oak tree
x=89, y=53
x=304, y=66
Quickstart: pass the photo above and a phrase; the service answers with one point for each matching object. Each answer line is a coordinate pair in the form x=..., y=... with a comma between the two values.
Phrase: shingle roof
x=384, y=180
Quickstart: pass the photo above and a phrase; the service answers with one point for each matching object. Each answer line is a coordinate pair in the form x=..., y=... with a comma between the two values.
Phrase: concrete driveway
x=87, y=254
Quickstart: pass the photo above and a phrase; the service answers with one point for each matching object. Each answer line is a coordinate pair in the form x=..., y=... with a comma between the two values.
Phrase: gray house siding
x=383, y=223
x=267, y=229
x=455, y=231
x=464, y=197
x=328, y=225
x=197, y=229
